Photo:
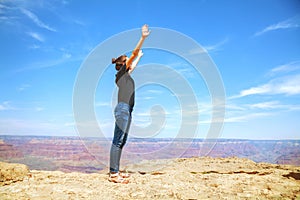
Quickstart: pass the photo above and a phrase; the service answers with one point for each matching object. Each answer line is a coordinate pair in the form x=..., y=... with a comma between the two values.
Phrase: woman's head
x=120, y=61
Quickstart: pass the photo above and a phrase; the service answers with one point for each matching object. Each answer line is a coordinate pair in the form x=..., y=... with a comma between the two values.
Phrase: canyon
x=89, y=155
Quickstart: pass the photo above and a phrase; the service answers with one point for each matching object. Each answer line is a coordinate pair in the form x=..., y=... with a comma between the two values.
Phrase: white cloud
x=287, y=85
x=286, y=68
x=252, y=111
x=36, y=20
x=246, y=117
x=6, y=106
x=66, y=57
x=216, y=47
x=246, y=112
x=23, y=87
x=7, y=13
x=209, y=48
x=3, y=8
x=35, y=127
x=4, y=18
x=155, y=91
x=266, y=105
x=35, y=46
x=197, y=51
x=70, y=124
x=274, y=105
x=65, y=2
x=99, y=104
x=152, y=113
x=184, y=68
x=36, y=36
x=39, y=109
x=235, y=107
x=287, y=24
x=79, y=22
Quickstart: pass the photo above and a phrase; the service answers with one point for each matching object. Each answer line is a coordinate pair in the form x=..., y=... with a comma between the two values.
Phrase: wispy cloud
x=29, y=126
x=216, y=47
x=65, y=2
x=3, y=8
x=286, y=68
x=155, y=91
x=260, y=106
x=184, y=68
x=287, y=85
x=286, y=24
x=36, y=36
x=39, y=109
x=34, y=46
x=102, y=103
x=143, y=98
x=36, y=20
x=247, y=117
x=7, y=14
x=209, y=48
x=273, y=106
x=6, y=106
x=66, y=57
x=266, y=105
x=252, y=111
x=4, y=18
x=23, y=87
x=283, y=82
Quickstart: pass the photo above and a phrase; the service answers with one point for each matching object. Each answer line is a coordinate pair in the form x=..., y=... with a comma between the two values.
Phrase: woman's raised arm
x=145, y=34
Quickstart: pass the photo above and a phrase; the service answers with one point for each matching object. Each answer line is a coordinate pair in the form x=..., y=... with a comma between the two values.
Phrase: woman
x=123, y=110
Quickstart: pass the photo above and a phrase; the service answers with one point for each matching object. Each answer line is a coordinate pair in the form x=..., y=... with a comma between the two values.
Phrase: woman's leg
x=116, y=149
x=123, y=120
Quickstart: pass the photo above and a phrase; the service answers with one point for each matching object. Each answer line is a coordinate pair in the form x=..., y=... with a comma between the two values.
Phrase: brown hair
x=120, y=61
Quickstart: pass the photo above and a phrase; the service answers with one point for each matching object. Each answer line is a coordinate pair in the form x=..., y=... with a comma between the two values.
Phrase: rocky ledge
x=183, y=178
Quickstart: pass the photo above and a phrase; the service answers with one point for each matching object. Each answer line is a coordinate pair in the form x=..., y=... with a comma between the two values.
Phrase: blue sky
x=253, y=43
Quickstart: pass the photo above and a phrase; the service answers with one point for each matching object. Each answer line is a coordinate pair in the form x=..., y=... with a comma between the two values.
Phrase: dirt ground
x=183, y=178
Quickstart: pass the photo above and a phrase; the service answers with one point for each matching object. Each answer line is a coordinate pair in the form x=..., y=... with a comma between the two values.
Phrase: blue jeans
x=123, y=121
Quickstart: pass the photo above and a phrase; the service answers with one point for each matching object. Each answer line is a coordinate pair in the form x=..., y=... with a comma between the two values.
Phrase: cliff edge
x=182, y=178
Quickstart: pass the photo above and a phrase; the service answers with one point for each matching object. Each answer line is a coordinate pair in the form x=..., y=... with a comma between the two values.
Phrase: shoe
x=117, y=178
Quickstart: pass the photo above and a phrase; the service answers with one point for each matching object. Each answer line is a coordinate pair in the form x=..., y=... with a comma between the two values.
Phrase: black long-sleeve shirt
x=126, y=86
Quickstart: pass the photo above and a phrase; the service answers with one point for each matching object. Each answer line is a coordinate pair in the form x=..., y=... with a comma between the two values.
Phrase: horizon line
x=156, y=138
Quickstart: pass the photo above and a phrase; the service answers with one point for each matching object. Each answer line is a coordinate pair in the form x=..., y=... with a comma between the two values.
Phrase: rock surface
x=10, y=173
x=183, y=178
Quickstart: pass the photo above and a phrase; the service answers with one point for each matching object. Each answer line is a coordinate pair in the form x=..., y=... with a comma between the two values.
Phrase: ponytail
x=118, y=61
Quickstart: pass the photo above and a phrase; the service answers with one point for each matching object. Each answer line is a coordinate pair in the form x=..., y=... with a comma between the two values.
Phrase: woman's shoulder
x=122, y=72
